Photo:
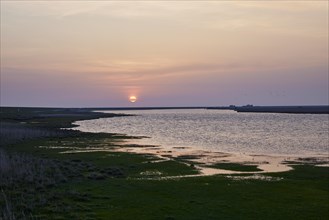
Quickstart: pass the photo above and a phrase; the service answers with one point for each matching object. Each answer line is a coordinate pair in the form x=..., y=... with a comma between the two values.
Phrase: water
x=222, y=131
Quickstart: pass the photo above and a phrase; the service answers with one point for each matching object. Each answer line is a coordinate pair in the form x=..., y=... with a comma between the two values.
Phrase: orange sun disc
x=132, y=99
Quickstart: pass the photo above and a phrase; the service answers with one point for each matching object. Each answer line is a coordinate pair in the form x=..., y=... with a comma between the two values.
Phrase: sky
x=166, y=53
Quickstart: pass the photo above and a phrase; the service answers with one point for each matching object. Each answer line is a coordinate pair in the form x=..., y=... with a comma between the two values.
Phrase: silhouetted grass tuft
x=13, y=132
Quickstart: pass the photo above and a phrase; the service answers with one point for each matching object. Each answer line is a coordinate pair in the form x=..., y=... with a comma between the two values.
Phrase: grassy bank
x=39, y=181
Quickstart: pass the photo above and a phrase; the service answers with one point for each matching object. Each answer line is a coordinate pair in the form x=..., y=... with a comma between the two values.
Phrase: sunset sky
x=190, y=53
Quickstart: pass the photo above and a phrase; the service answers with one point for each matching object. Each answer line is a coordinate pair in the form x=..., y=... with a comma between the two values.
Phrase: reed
x=22, y=175
x=12, y=133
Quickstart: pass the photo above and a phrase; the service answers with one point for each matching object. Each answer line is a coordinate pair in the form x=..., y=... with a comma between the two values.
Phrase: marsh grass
x=20, y=168
x=22, y=177
x=236, y=167
x=8, y=211
x=11, y=133
x=31, y=180
x=28, y=183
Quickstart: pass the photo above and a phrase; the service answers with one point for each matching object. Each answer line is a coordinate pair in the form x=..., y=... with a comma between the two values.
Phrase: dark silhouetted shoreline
x=324, y=109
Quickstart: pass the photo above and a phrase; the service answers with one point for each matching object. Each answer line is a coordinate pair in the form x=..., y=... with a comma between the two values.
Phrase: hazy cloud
x=198, y=52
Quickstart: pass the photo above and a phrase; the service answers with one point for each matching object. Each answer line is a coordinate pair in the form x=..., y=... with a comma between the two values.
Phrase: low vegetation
x=236, y=167
x=41, y=177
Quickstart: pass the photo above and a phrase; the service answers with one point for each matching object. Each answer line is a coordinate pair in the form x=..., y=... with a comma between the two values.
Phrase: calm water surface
x=224, y=131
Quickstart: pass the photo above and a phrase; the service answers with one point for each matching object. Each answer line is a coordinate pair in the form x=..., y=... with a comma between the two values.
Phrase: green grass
x=205, y=198
x=133, y=164
x=236, y=167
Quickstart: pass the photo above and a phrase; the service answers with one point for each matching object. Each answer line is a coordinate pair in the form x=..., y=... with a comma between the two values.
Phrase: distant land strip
x=320, y=109
x=314, y=109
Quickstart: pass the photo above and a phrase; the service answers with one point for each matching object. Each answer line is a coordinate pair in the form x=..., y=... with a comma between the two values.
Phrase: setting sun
x=195, y=105
x=132, y=99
